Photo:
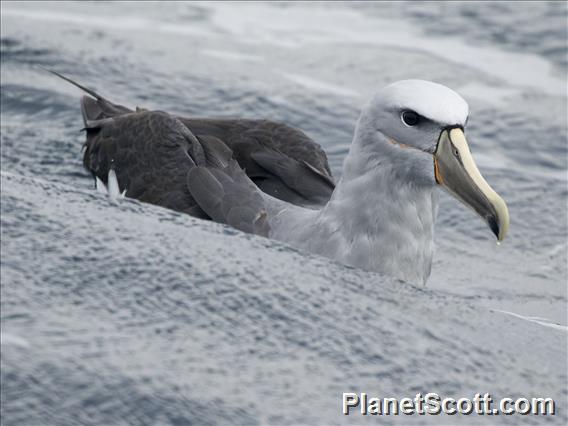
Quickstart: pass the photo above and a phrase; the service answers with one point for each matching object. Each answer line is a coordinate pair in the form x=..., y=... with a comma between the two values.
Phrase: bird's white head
x=418, y=127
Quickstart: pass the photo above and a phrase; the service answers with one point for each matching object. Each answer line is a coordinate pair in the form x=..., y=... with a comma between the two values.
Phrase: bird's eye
x=410, y=118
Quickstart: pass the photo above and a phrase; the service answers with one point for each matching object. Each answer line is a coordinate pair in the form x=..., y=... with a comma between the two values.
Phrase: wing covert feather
x=228, y=196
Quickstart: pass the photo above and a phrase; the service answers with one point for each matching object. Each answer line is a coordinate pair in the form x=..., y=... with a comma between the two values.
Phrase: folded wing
x=156, y=155
x=228, y=196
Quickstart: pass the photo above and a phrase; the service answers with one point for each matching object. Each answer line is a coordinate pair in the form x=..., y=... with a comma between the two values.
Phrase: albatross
x=272, y=180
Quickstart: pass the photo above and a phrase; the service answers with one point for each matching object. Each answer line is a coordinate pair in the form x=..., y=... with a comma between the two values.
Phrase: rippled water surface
x=126, y=313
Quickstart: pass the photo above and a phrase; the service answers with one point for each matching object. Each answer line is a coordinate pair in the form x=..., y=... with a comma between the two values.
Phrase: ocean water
x=125, y=313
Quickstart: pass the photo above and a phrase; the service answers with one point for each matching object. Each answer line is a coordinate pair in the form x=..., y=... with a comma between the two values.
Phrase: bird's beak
x=456, y=171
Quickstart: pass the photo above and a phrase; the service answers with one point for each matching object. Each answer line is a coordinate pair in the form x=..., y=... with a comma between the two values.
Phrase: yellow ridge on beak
x=456, y=171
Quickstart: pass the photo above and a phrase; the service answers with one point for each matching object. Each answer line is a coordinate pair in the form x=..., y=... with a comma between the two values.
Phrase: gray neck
x=380, y=217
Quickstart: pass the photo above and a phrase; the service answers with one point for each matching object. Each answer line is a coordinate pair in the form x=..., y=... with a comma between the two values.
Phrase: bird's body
x=349, y=228
x=273, y=180
x=150, y=151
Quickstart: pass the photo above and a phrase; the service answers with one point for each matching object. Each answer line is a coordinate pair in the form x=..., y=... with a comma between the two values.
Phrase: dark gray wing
x=299, y=176
x=151, y=154
x=228, y=196
x=281, y=160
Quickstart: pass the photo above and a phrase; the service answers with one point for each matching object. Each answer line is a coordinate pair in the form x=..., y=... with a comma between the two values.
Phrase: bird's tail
x=94, y=107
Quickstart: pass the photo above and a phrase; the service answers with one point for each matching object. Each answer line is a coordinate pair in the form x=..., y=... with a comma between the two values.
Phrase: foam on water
x=320, y=86
x=537, y=320
x=318, y=25
x=233, y=56
x=11, y=339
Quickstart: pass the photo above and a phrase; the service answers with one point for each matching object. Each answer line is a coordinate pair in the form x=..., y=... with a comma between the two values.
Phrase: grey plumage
x=317, y=189
x=228, y=196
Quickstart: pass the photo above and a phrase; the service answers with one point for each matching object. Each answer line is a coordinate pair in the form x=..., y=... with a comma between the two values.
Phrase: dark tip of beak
x=493, y=225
